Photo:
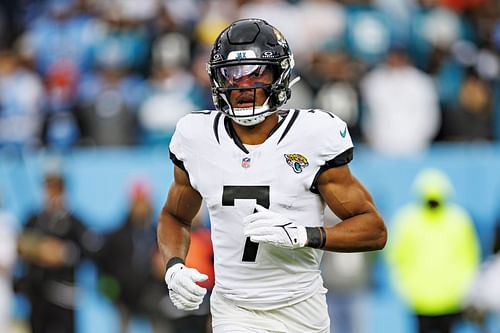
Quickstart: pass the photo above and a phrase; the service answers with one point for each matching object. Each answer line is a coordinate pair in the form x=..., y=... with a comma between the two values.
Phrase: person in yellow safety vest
x=434, y=253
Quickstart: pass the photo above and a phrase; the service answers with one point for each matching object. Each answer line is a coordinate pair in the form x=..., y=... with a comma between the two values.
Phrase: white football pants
x=310, y=315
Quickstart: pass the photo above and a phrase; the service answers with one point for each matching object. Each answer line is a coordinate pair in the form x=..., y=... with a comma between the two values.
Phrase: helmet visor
x=248, y=75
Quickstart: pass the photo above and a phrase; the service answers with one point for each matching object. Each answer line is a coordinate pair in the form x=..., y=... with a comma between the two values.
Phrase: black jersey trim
x=339, y=160
x=216, y=126
x=177, y=161
x=290, y=123
x=232, y=134
x=283, y=115
x=228, y=125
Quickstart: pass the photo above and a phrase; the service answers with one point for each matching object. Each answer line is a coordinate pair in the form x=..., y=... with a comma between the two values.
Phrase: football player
x=265, y=174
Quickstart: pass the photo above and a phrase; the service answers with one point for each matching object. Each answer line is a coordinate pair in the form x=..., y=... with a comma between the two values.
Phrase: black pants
x=438, y=324
x=49, y=318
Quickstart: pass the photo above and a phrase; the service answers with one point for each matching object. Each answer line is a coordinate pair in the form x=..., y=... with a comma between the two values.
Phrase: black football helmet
x=249, y=47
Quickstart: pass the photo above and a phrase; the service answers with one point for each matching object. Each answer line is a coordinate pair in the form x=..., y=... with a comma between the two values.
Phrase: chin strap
x=252, y=120
x=293, y=82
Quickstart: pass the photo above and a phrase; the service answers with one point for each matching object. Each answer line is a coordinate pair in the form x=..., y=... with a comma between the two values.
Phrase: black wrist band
x=323, y=237
x=316, y=237
x=173, y=261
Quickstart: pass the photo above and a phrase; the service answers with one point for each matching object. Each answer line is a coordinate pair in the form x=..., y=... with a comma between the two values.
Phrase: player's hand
x=183, y=291
x=268, y=227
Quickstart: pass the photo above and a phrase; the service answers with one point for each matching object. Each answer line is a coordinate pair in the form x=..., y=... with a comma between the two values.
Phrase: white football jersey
x=279, y=174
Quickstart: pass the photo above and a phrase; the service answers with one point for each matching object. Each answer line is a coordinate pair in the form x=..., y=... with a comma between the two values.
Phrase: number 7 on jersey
x=257, y=192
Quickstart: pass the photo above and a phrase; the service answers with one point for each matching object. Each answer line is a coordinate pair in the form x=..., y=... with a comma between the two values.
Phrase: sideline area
x=98, y=190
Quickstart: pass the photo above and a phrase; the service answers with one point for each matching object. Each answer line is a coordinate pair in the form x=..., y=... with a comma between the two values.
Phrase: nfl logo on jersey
x=245, y=162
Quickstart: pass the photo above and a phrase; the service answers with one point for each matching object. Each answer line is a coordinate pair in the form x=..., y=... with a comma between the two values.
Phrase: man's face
x=247, y=77
x=54, y=192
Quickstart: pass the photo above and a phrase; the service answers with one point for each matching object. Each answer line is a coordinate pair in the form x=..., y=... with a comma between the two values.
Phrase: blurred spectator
x=215, y=16
x=171, y=85
x=100, y=54
x=62, y=131
x=284, y=16
x=335, y=75
x=183, y=14
x=368, y=33
x=201, y=94
x=324, y=19
x=470, y=116
x=434, y=253
x=60, y=33
x=59, y=42
x=10, y=22
x=461, y=5
x=122, y=42
x=486, y=21
x=342, y=99
x=8, y=225
x=433, y=29
x=21, y=104
x=126, y=261
x=108, y=104
x=402, y=110
x=399, y=12
x=51, y=245
x=127, y=10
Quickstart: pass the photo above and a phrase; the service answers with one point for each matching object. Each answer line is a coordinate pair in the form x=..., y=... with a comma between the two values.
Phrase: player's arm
x=174, y=224
x=174, y=229
x=362, y=227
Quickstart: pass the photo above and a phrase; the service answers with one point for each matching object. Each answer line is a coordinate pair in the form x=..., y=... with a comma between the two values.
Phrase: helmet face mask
x=242, y=57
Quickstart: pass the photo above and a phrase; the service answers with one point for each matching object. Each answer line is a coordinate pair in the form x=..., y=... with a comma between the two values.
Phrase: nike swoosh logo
x=344, y=132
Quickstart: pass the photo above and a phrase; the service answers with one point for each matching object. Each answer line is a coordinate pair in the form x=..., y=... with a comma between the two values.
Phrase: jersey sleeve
x=179, y=145
x=334, y=144
x=187, y=142
x=333, y=139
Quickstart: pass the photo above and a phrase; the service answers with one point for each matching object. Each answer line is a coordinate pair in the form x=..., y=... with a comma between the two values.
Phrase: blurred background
x=91, y=90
